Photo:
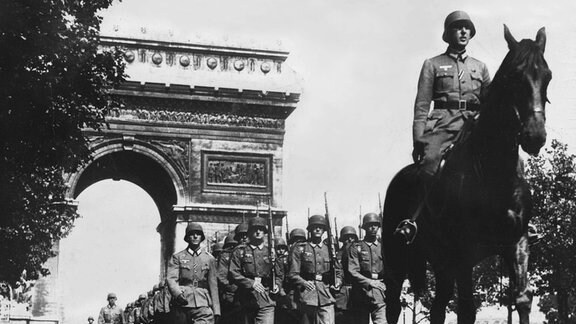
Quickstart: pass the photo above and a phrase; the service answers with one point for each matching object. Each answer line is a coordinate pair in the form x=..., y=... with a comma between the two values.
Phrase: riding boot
x=408, y=227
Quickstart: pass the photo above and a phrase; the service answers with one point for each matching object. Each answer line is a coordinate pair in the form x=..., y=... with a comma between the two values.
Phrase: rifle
x=330, y=245
x=360, y=224
x=271, y=247
x=287, y=231
x=381, y=211
x=336, y=244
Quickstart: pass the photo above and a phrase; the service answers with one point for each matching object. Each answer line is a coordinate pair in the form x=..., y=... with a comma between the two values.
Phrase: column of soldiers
x=242, y=281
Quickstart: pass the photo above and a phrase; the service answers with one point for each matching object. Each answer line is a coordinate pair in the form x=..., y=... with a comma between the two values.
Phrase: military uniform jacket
x=365, y=263
x=193, y=273
x=311, y=262
x=248, y=263
x=343, y=296
x=110, y=315
x=447, y=78
x=162, y=300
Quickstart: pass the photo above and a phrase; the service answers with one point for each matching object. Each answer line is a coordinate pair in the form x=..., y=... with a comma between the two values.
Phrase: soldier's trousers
x=196, y=315
x=264, y=315
x=376, y=312
x=317, y=314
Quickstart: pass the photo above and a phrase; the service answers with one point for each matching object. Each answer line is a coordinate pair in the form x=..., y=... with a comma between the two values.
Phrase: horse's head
x=527, y=76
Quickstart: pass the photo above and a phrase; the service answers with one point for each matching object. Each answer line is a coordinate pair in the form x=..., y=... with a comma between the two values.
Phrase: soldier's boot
x=407, y=229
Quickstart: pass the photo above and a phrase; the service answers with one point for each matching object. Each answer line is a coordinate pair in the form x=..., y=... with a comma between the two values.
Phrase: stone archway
x=144, y=165
x=201, y=130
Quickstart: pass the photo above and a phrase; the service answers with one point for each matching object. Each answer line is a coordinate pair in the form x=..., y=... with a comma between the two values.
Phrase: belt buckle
x=195, y=283
x=374, y=276
x=318, y=277
x=462, y=105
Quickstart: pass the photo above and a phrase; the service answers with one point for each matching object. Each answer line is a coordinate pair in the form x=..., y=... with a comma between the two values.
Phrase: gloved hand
x=418, y=152
x=181, y=300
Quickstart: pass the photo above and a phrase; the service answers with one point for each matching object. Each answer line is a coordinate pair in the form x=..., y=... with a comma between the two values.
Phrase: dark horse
x=479, y=204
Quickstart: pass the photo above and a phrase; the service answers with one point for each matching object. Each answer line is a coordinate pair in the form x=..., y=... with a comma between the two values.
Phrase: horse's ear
x=541, y=39
x=512, y=43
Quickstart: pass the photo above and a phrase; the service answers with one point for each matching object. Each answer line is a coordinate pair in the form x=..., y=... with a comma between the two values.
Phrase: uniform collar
x=375, y=243
x=319, y=245
x=195, y=252
x=456, y=55
x=259, y=247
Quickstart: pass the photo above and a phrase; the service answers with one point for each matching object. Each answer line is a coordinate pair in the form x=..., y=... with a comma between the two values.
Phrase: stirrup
x=408, y=229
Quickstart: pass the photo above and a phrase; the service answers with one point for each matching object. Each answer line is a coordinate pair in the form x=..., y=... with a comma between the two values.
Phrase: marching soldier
x=310, y=273
x=191, y=278
x=251, y=269
x=366, y=268
x=138, y=309
x=241, y=233
x=344, y=309
x=228, y=302
x=285, y=309
x=296, y=235
x=161, y=304
x=217, y=249
x=111, y=313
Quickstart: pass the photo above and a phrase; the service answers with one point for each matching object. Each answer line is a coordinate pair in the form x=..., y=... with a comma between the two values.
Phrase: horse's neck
x=495, y=141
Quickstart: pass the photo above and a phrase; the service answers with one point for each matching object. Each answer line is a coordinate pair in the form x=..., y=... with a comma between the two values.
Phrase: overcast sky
x=359, y=61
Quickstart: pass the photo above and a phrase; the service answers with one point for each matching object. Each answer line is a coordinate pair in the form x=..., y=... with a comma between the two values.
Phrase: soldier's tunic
x=161, y=305
x=229, y=304
x=365, y=263
x=110, y=315
x=456, y=84
x=344, y=307
x=193, y=274
x=311, y=262
x=248, y=264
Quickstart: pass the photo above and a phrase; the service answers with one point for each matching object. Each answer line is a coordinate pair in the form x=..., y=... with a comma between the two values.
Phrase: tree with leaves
x=54, y=82
x=552, y=177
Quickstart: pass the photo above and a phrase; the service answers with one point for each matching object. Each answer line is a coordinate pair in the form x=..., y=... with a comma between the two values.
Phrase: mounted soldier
x=451, y=87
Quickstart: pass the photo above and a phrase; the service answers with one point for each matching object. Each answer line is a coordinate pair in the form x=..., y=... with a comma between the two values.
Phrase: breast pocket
x=476, y=77
x=247, y=263
x=444, y=81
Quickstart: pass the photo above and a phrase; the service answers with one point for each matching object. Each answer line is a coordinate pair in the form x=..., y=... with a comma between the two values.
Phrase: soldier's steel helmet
x=217, y=247
x=230, y=241
x=257, y=222
x=90, y=318
x=280, y=242
x=111, y=295
x=240, y=229
x=317, y=220
x=142, y=296
x=371, y=218
x=295, y=234
x=194, y=227
x=346, y=231
x=455, y=17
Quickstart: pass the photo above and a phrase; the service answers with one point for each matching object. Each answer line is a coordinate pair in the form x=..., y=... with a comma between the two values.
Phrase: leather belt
x=371, y=275
x=196, y=283
x=460, y=105
x=313, y=276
